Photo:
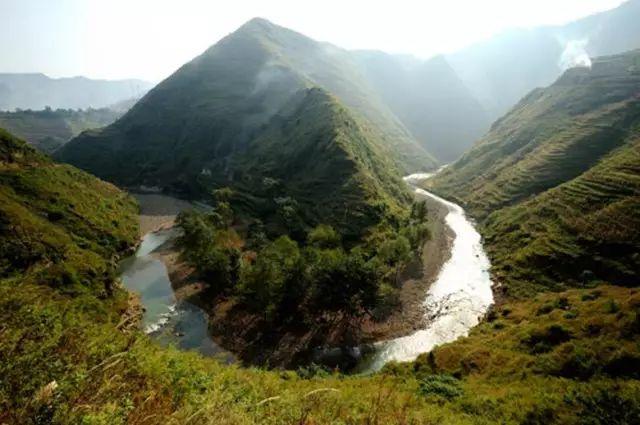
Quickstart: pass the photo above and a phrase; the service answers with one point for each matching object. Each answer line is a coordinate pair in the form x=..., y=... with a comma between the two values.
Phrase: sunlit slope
x=556, y=183
x=318, y=154
x=585, y=230
x=551, y=136
x=59, y=225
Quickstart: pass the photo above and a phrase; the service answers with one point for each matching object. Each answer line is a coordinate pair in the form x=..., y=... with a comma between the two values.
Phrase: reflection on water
x=166, y=319
x=455, y=302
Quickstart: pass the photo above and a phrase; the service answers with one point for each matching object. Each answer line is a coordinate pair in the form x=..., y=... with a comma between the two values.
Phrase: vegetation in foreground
x=68, y=352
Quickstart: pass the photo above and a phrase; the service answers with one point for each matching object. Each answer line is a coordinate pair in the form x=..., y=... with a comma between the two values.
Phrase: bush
x=544, y=341
x=445, y=386
x=605, y=406
x=324, y=236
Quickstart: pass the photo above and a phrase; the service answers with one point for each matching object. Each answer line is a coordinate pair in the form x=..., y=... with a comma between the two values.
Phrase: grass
x=545, y=354
x=554, y=184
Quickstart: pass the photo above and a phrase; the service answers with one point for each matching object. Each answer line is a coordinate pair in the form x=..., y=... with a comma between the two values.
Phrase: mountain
x=49, y=129
x=430, y=100
x=60, y=226
x=186, y=133
x=37, y=91
x=503, y=69
x=313, y=154
x=555, y=182
x=317, y=153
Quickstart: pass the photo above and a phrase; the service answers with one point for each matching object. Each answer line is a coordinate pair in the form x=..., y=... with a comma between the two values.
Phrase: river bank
x=244, y=334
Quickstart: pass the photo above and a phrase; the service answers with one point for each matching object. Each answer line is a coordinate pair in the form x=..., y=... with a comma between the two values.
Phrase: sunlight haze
x=150, y=39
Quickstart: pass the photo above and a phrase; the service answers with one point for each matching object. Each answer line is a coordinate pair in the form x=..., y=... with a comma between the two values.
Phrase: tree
x=419, y=211
x=274, y=283
x=341, y=282
x=323, y=236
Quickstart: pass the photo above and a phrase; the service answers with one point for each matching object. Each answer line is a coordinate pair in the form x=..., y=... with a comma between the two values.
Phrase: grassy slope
x=511, y=369
x=551, y=136
x=555, y=183
x=584, y=230
x=61, y=230
x=49, y=130
x=56, y=220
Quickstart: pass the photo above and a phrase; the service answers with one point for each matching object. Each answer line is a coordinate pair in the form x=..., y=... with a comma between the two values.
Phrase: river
x=456, y=301
x=166, y=319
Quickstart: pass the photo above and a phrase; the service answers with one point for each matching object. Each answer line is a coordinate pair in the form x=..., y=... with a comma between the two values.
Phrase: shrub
x=445, y=386
x=544, y=341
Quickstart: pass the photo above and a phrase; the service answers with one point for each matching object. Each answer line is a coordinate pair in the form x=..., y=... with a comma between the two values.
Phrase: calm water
x=166, y=319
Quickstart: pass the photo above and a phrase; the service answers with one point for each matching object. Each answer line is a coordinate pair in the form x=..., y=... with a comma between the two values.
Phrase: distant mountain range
x=504, y=68
x=49, y=129
x=37, y=91
x=555, y=182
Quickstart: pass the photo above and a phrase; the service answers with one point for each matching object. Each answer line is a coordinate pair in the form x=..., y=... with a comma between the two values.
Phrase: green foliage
x=555, y=183
x=58, y=224
x=444, y=386
x=210, y=246
x=323, y=236
x=286, y=282
x=274, y=283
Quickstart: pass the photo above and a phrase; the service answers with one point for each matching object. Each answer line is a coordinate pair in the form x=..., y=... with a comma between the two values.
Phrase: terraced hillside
x=551, y=136
x=583, y=231
x=556, y=183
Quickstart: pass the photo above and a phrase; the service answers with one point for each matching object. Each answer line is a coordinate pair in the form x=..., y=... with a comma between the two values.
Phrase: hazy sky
x=149, y=39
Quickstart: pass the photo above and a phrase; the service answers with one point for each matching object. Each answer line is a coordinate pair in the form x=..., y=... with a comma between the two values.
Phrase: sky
x=149, y=39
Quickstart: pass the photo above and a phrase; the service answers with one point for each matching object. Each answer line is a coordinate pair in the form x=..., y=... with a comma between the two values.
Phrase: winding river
x=456, y=301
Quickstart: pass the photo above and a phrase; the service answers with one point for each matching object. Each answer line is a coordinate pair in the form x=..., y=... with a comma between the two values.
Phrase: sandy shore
x=158, y=211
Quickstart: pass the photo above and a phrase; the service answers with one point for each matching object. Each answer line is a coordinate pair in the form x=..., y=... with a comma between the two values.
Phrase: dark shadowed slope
x=198, y=120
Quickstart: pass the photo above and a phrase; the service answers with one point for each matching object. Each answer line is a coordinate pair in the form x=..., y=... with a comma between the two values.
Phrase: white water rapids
x=459, y=297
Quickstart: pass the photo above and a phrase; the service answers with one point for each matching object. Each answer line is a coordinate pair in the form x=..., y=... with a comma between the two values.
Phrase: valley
x=286, y=231
x=183, y=296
